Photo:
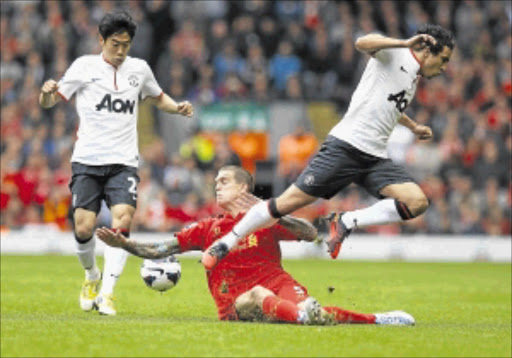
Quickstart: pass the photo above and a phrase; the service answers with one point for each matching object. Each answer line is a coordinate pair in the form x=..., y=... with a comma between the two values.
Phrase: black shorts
x=115, y=183
x=338, y=164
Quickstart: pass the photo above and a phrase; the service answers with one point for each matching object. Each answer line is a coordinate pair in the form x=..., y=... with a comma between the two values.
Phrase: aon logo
x=118, y=105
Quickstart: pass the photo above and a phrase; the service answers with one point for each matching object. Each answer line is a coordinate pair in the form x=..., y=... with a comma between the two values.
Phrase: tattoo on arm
x=301, y=228
x=153, y=249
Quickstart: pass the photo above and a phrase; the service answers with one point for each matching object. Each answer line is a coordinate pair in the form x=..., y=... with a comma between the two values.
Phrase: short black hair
x=241, y=176
x=117, y=22
x=443, y=37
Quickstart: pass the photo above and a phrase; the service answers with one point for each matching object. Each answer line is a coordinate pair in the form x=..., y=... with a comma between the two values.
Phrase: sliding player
x=250, y=284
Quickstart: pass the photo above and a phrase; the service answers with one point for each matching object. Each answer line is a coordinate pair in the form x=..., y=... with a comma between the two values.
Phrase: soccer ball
x=161, y=274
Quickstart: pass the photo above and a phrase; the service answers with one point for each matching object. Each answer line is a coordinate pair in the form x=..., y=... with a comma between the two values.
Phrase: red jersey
x=255, y=260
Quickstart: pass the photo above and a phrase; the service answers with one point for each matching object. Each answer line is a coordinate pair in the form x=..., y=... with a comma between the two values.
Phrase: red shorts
x=283, y=286
x=287, y=288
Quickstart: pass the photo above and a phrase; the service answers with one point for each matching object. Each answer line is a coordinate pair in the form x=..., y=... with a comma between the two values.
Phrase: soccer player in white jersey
x=108, y=87
x=355, y=149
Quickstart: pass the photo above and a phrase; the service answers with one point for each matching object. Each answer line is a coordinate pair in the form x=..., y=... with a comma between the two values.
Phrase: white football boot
x=90, y=289
x=313, y=311
x=105, y=304
x=397, y=318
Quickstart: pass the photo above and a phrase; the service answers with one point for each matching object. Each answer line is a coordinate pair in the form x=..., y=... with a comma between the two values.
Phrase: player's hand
x=49, y=87
x=246, y=200
x=110, y=237
x=420, y=41
x=422, y=132
x=185, y=109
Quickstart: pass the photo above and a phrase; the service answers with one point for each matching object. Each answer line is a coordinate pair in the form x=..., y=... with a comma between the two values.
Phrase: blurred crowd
x=214, y=51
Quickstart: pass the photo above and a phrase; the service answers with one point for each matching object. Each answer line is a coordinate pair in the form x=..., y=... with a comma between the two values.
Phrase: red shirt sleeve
x=194, y=237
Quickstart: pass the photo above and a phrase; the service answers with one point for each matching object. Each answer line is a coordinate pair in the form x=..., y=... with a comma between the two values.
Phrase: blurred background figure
x=270, y=66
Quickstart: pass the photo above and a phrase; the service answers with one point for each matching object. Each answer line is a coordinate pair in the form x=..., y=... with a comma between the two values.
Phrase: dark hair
x=117, y=22
x=443, y=37
x=241, y=176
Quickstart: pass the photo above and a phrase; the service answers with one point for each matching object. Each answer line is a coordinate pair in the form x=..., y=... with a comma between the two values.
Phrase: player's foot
x=327, y=319
x=398, y=318
x=337, y=234
x=105, y=304
x=216, y=252
x=90, y=289
x=313, y=311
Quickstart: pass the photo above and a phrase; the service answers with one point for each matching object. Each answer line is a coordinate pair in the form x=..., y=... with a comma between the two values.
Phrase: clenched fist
x=49, y=87
x=185, y=108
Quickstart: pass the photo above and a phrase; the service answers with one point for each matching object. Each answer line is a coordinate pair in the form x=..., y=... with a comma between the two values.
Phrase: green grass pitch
x=461, y=309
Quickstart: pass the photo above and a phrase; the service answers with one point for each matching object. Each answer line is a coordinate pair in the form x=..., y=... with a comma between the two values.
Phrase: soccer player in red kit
x=250, y=283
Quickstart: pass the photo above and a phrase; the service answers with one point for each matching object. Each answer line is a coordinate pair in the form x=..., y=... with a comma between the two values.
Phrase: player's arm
x=167, y=104
x=48, y=96
x=147, y=249
x=372, y=43
x=301, y=228
x=421, y=131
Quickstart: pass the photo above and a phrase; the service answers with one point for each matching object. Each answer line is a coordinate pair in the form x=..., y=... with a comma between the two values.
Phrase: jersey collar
x=416, y=58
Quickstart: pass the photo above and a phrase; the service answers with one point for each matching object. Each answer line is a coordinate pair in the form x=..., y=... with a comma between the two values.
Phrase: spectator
x=490, y=166
x=295, y=150
x=228, y=61
x=255, y=64
x=269, y=35
x=283, y=64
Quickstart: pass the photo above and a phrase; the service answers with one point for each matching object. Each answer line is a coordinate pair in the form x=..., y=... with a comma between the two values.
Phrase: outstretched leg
x=404, y=202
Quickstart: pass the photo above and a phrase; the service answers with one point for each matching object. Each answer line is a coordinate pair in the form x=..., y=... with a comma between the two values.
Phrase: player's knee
x=83, y=231
x=245, y=303
x=417, y=204
x=122, y=218
x=253, y=297
x=258, y=294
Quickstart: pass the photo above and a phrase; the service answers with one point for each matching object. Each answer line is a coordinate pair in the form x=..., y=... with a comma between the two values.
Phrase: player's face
x=434, y=65
x=226, y=188
x=116, y=47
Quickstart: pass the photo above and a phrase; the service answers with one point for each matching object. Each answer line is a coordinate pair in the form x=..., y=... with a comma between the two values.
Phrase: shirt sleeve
x=388, y=56
x=150, y=87
x=194, y=236
x=72, y=80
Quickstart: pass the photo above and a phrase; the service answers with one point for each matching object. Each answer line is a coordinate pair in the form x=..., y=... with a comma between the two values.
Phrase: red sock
x=344, y=316
x=282, y=310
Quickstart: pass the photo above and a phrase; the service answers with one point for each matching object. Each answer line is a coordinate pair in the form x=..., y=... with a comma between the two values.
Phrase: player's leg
x=121, y=195
x=402, y=200
x=330, y=170
x=260, y=303
x=292, y=291
x=85, y=248
x=86, y=199
x=344, y=316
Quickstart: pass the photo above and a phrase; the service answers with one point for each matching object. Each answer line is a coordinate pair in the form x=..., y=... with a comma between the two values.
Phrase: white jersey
x=386, y=88
x=107, y=102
